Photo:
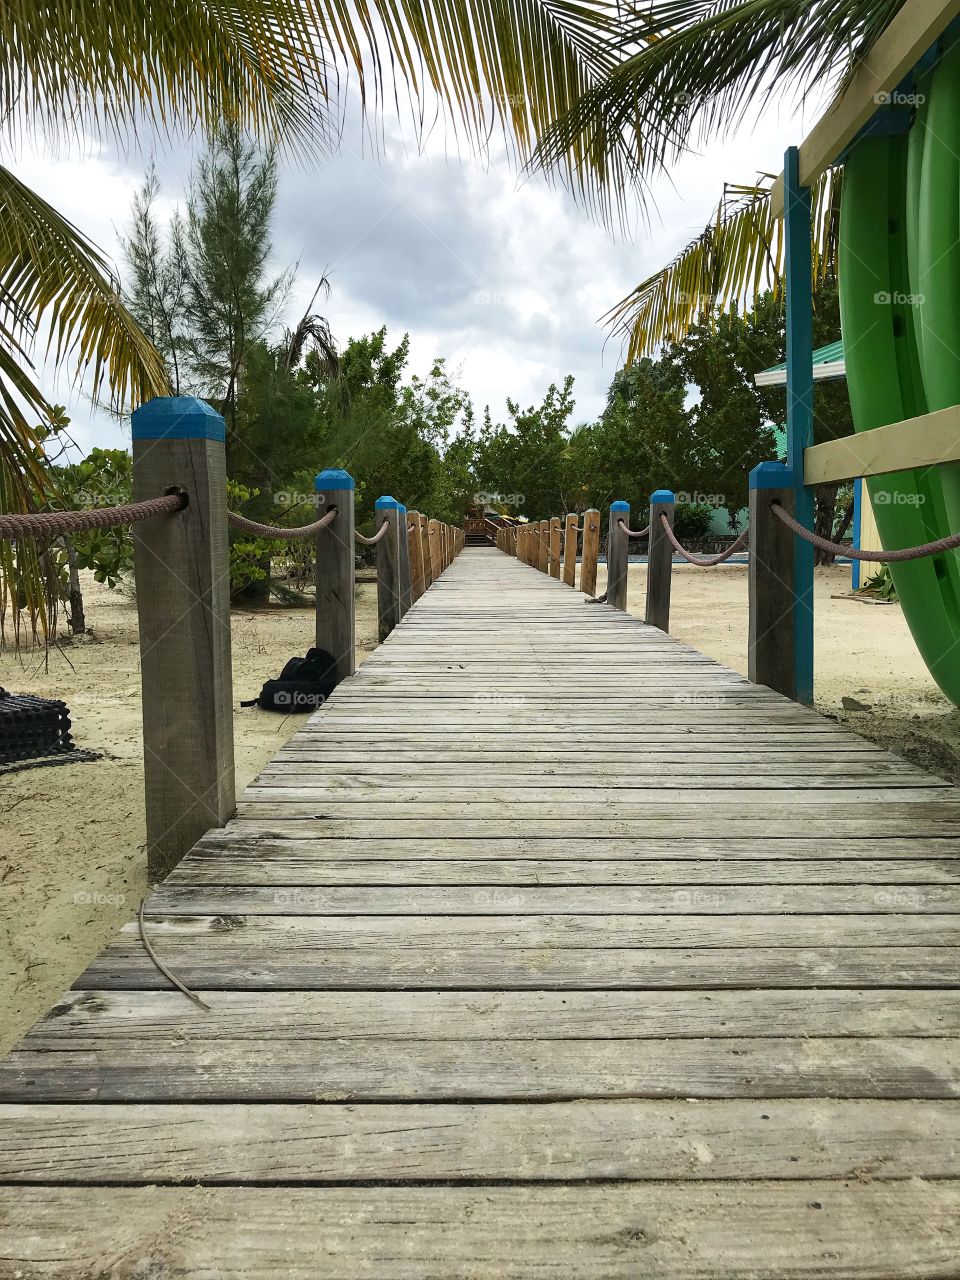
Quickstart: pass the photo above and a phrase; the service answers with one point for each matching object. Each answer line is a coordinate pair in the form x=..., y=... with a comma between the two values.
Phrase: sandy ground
x=863, y=653
x=72, y=862
x=72, y=866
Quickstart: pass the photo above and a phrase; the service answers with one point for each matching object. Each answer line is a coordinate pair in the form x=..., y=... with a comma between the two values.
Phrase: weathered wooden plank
x=803, y=1230
x=90, y=1017
x=221, y=963
x=479, y=1070
x=290, y=935
x=277, y=863
x=512, y=900
x=627, y=1141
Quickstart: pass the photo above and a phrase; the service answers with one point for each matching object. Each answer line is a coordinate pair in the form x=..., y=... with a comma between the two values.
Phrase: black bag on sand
x=304, y=684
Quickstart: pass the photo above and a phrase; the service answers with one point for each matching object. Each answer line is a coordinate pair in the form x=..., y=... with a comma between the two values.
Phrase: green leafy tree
x=526, y=457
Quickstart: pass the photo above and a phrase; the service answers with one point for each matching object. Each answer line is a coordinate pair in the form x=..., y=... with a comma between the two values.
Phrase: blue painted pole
x=799, y=302
x=336, y=571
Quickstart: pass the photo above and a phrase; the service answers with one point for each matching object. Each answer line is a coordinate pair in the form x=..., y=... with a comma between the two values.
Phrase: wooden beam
x=910, y=34
x=917, y=442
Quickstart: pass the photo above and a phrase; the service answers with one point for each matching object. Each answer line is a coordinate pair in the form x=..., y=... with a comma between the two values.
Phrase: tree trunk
x=76, y=617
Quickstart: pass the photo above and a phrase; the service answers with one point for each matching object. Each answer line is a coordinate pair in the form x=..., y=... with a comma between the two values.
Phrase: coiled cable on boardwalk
x=370, y=542
x=54, y=524
x=704, y=562
x=278, y=531
x=855, y=553
x=633, y=533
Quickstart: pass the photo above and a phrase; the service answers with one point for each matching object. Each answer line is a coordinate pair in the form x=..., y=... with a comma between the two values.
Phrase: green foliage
x=527, y=458
x=103, y=479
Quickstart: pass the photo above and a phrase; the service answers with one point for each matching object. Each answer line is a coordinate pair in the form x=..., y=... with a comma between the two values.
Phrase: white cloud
x=507, y=279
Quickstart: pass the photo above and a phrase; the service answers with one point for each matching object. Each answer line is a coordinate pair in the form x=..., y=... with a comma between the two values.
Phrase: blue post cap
x=665, y=497
x=177, y=418
x=772, y=475
x=620, y=506
x=333, y=478
x=386, y=503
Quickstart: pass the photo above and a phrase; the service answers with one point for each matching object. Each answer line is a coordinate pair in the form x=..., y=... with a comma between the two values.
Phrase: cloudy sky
x=504, y=277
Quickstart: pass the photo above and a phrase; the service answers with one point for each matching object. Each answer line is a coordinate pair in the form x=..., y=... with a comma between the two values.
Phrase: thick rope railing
x=54, y=524
x=633, y=533
x=855, y=553
x=278, y=531
x=704, y=562
x=372, y=542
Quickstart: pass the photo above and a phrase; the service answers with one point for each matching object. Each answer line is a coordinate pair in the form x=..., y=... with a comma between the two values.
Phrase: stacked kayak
x=900, y=316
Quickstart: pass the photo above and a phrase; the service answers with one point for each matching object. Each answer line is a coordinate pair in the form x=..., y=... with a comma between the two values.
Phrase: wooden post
x=425, y=552
x=436, y=567
x=403, y=546
x=555, y=547
x=570, y=549
x=182, y=565
x=772, y=581
x=591, y=551
x=415, y=553
x=617, y=544
x=543, y=546
x=659, y=561
x=336, y=572
x=388, y=566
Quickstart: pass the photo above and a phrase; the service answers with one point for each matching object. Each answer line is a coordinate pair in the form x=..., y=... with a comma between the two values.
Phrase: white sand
x=73, y=866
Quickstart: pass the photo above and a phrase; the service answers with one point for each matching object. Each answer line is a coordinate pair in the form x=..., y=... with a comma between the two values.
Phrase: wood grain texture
x=547, y=947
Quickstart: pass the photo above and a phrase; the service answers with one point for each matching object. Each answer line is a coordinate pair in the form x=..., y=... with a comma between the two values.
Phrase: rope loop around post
x=633, y=533
x=704, y=562
x=278, y=531
x=53, y=524
x=372, y=542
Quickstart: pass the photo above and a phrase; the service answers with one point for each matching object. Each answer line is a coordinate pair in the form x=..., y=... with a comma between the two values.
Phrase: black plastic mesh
x=31, y=726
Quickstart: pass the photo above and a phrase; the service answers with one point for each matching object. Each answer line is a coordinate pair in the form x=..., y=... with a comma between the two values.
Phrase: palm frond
x=693, y=69
x=736, y=257
x=53, y=280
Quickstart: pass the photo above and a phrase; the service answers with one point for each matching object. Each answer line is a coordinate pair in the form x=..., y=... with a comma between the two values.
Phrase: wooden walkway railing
x=547, y=947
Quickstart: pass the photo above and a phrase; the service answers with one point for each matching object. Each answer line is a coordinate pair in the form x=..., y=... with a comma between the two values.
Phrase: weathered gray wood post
x=415, y=553
x=772, y=581
x=554, y=546
x=403, y=544
x=336, y=572
x=571, y=529
x=182, y=566
x=425, y=552
x=388, y=566
x=617, y=545
x=659, y=560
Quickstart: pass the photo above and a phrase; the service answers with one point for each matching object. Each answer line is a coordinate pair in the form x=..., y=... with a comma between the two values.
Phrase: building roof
x=828, y=363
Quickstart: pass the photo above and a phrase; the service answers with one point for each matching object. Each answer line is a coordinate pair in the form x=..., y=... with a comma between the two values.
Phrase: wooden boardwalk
x=549, y=948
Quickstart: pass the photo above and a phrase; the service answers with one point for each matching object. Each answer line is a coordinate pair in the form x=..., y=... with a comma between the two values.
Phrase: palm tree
x=737, y=257
x=689, y=73
x=273, y=67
